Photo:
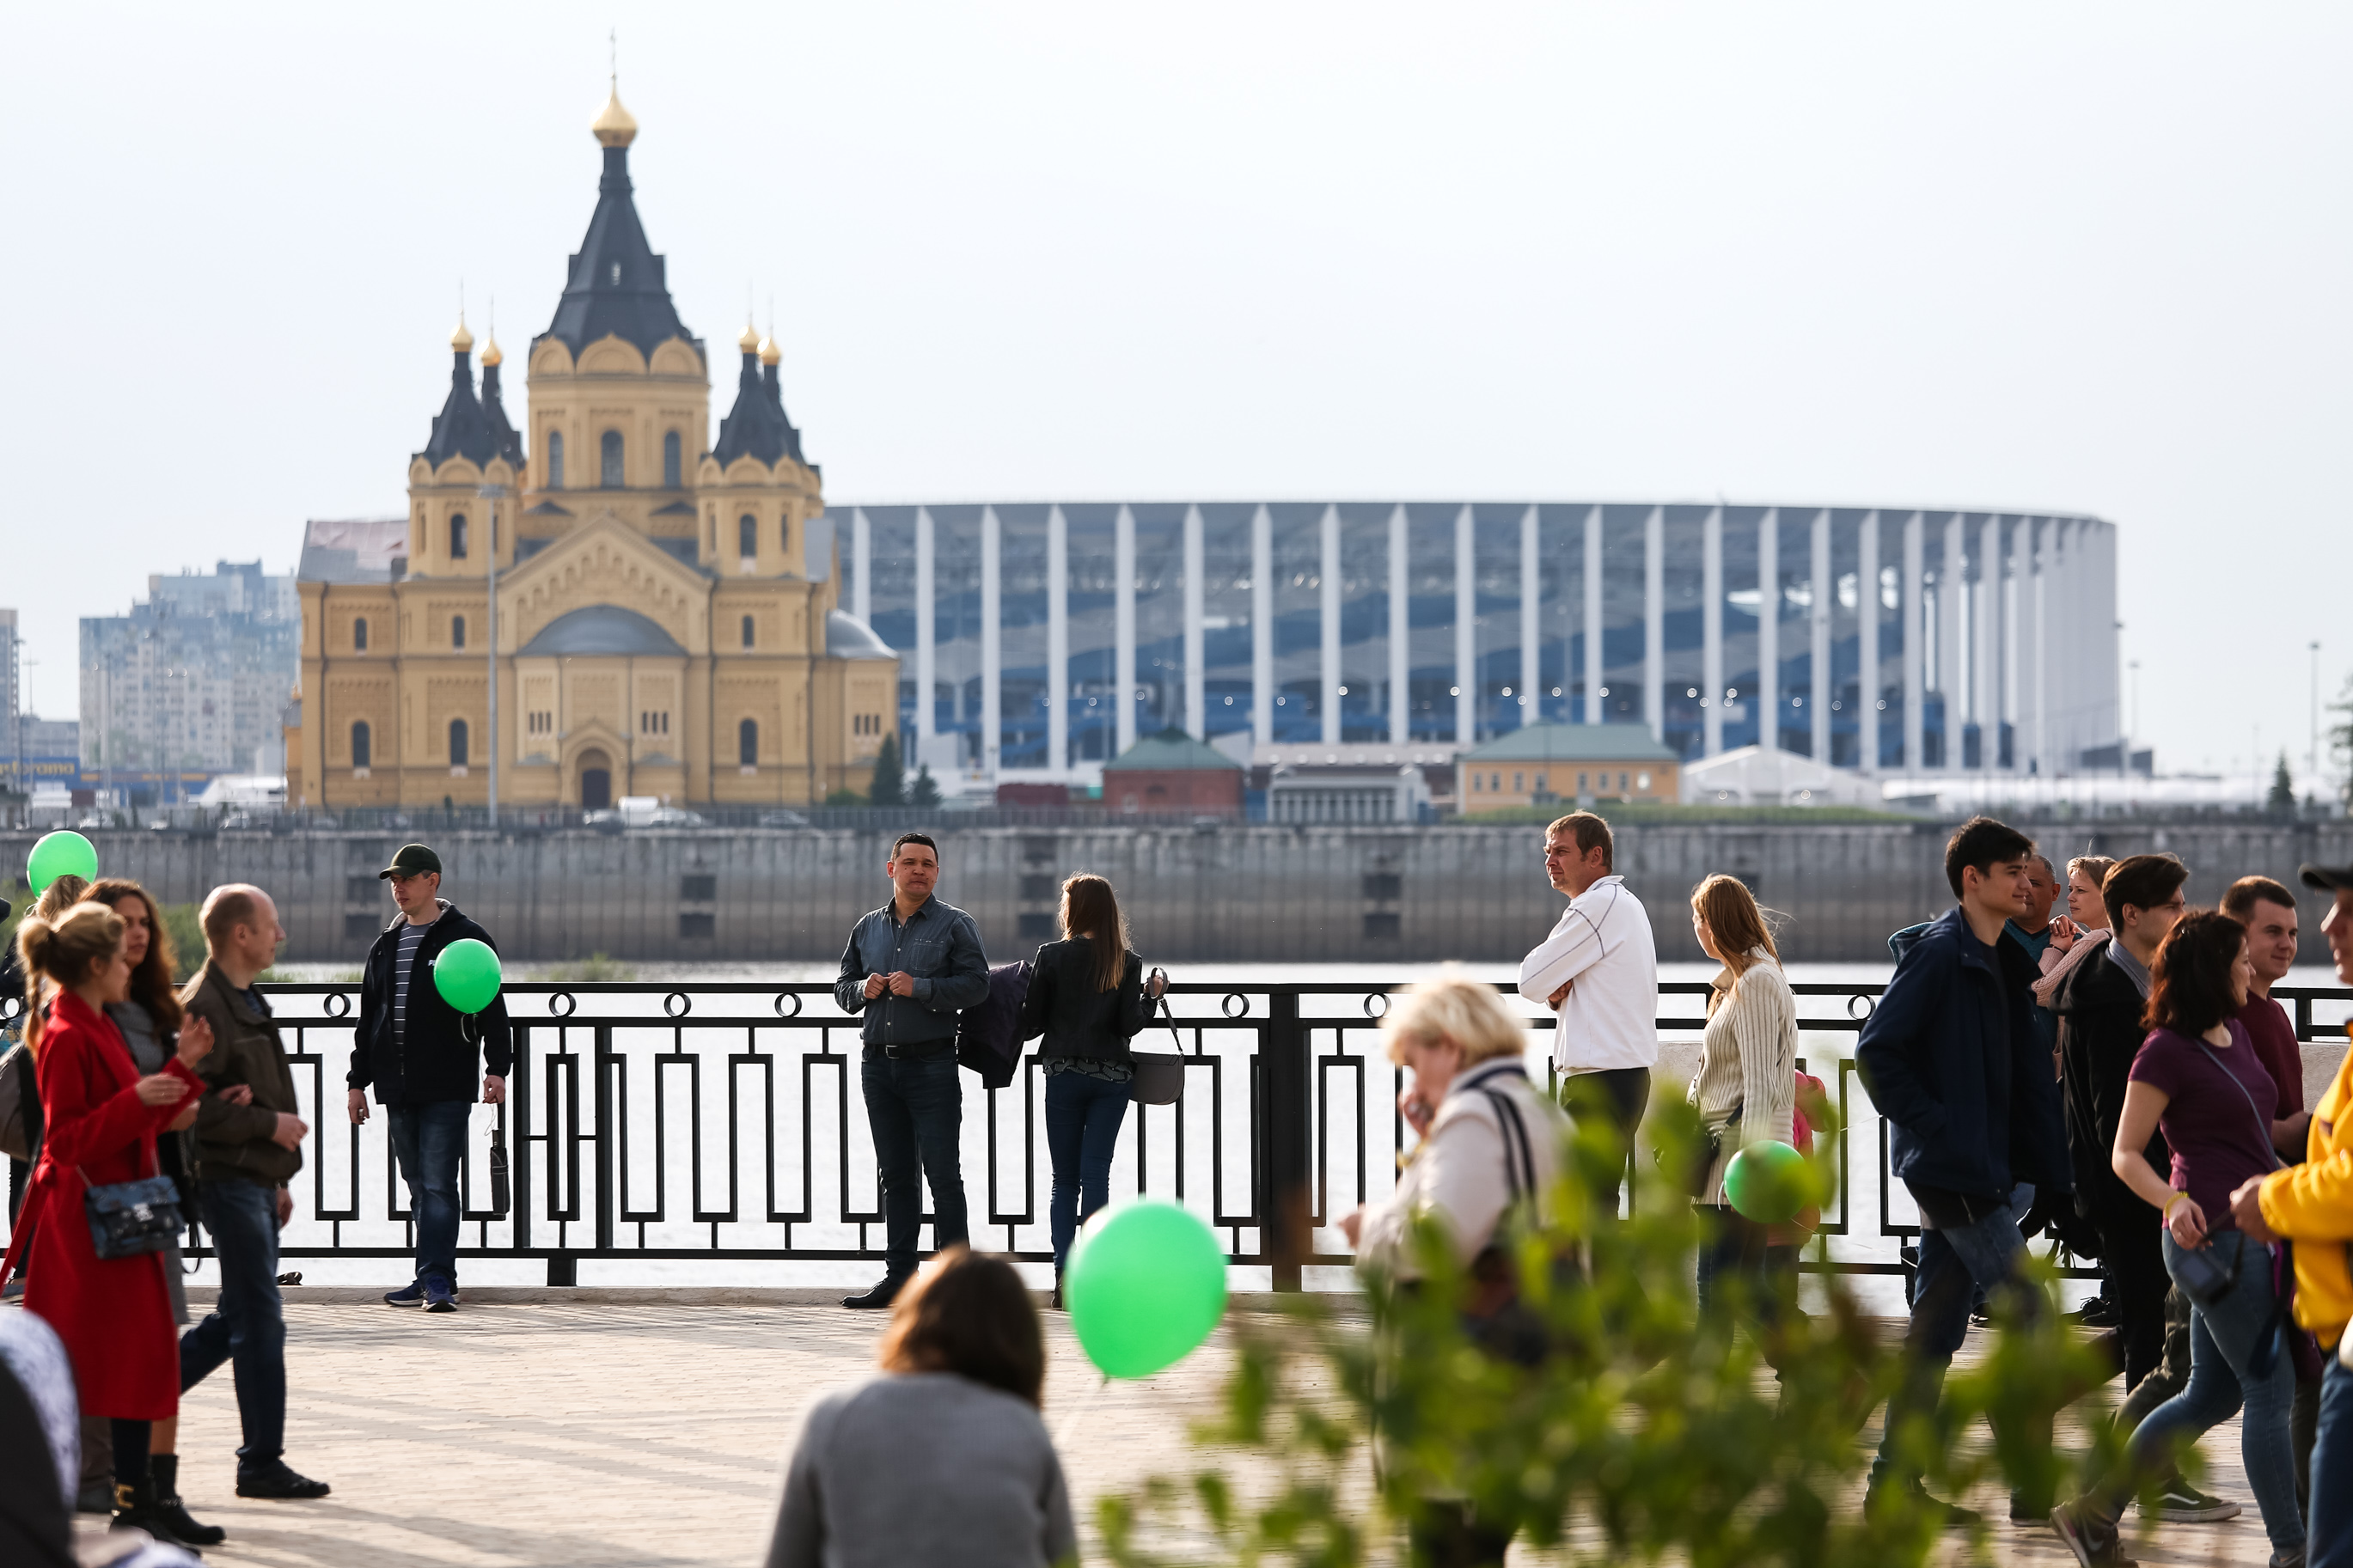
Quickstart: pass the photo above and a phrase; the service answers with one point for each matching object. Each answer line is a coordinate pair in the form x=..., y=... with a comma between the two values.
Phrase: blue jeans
x=1082, y=1118
x=247, y=1326
x=2223, y=1339
x=429, y=1140
x=916, y=1107
x=2332, y=1469
x=1955, y=1264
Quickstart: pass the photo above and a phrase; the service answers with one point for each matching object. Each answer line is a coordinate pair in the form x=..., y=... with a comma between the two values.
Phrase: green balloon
x=1766, y=1182
x=66, y=854
x=1145, y=1284
x=467, y=974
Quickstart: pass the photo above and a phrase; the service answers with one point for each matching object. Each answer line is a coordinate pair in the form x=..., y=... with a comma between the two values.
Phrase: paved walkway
x=592, y=1434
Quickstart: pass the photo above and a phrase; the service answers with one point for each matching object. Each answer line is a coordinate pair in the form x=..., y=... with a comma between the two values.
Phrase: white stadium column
x=1466, y=628
x=1950, y=599
x=1328, y=620
x=1058, y=641
x=1400, y=632
x=1821, y=685
x=861, y=566
x=2025, y=647
x=1867, y=610
x=1595, y=676
x=1767, y=698
x=1654, y=622
x=1987, y=686
x=1916, y=645
x=1531, y=693
x=1196, y=699
x=1262, y=627
x=1711, y=633
x=927, y=697
x=992, y=638
x=1124, y=629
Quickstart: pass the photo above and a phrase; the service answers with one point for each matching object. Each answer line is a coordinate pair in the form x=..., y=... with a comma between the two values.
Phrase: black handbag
x=1159, y=1077
x=502, y=1194
x=127, y=1218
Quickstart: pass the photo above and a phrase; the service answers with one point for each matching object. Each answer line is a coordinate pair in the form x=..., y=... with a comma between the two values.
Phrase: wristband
x=2166, y=1212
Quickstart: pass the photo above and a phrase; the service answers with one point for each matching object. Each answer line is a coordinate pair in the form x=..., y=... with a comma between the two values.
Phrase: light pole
x=2134, y=666
x=2312, y=762
x=493, y=494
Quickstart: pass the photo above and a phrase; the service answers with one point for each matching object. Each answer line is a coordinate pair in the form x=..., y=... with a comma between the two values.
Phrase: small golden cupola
x=462, y=341
x=614, y=126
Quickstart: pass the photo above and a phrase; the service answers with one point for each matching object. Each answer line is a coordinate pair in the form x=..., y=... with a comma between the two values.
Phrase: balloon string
x=1069, y=1421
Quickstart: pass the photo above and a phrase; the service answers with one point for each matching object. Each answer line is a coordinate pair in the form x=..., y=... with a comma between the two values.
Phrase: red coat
x=114, y=1316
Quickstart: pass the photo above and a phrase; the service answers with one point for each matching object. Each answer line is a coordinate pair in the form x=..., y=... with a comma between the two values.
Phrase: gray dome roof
x=846, y=636
x=601, y=628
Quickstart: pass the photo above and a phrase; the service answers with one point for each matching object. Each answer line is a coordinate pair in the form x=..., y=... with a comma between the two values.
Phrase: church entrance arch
x=596, y=780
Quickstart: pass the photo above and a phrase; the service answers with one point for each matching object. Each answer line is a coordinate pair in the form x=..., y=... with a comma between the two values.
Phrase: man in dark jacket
x=422, y=1055
x=909, y=967
x=1952, y=1060
x=248, y=1146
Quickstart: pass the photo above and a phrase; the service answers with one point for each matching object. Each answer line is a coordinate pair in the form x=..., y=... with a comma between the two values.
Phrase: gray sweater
x=923, y=1468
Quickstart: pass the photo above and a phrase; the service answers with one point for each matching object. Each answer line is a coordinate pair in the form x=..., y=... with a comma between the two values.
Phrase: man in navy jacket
x=1952, y=1060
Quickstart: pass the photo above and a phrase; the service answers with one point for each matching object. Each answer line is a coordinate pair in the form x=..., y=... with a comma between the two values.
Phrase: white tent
x=1750, y=775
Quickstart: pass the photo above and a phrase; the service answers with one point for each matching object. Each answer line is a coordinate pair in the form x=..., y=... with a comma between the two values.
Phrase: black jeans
x=1621, y=1094
x=247, y=1327
x=2139, y=1285
x=916, y=1107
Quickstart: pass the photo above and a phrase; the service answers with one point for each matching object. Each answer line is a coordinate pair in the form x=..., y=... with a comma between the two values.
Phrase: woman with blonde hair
x=1747, y=1087
x=2084, y=931
x=1088, y=997
x=100, y=1117
x=946, y=1456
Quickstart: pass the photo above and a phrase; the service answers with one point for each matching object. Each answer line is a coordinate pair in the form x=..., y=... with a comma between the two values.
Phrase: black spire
x=758, y=424
x=617, y=284
x=462, y=429
x=494, y=413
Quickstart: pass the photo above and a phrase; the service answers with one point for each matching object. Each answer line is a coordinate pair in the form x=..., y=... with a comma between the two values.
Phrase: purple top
x=2213, y=1132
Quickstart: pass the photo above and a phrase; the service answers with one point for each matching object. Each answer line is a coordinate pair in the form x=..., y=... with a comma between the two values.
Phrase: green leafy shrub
x=595, y=967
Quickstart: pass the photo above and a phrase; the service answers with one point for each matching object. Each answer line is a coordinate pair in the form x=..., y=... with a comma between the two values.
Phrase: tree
x=889, y=786
x=926, y=789
x=2283, y=795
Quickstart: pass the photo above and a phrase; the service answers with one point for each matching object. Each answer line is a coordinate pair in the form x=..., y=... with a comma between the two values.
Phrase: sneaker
x=2099, y=1312
x=2182, y=1503
x=2030, y=1508
x=409, y=1295
x=1914, y=1496
x=2095, y=1545
x=95, y=1497
x=440, y=1297
x=2293, y=1557
x=282, y=1481
x=881, y=1296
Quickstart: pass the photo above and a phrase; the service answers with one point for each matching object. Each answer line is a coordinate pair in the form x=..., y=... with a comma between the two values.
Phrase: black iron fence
x=721, y=1120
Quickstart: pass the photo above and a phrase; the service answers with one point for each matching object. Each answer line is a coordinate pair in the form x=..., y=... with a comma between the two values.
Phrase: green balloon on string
x=1145, y=1284
x=66, y=854
x=1766, y=1182
x=467, y=974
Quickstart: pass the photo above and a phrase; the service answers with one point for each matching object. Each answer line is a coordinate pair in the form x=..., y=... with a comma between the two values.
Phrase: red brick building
x=1173, y=772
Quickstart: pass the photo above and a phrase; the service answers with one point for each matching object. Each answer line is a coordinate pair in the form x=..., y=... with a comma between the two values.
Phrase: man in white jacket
x=1599, y=970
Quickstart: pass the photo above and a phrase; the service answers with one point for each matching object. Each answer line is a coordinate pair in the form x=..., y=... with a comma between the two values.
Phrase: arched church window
x=672, y=462
x=458, y=742
x=359, y=635
x=457, y=631
x=361, y=751
x=747, y=535
x=554, y=460
x=456, y=536
x=784, y=538
x=609, y=459
x=748, y=743
x=747, y=631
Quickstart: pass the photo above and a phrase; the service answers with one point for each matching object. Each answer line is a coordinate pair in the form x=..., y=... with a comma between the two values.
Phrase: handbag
x=20, y=1104
x=127, y=1218
x=1159, y=1077
x=501, y=1198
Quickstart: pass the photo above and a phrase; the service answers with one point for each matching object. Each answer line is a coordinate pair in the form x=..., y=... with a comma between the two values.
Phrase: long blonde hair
x=62, y=950
x=1734, y=921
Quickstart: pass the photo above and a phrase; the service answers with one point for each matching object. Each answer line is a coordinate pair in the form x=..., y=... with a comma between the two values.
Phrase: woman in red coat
x=101, y=1117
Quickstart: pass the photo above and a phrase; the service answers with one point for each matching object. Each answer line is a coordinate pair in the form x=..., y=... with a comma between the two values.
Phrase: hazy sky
x=2091, y=257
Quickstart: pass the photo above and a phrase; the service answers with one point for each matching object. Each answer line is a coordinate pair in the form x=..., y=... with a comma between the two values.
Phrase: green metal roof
x=1171, y=751
x=1573, y=743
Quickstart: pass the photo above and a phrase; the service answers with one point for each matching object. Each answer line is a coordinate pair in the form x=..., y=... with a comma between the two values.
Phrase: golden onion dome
x=614, y=127
x=750, y=342
x=462, y=341
x=769, y=352
x=490, y=354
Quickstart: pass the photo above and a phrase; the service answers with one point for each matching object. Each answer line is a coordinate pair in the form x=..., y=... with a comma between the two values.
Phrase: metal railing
x=719, y=1121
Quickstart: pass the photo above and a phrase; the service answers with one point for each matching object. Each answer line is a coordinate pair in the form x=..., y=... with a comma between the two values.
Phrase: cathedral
x=660, y=609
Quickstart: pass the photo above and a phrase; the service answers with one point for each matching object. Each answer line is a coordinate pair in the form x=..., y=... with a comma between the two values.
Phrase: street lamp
x=493, y=494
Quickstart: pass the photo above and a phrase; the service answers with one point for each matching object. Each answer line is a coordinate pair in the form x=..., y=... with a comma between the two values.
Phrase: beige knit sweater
x=1748, y=1060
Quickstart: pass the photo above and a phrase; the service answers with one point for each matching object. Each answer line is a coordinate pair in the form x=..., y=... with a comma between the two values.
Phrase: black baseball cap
x=412, y=860
x=2325, y=878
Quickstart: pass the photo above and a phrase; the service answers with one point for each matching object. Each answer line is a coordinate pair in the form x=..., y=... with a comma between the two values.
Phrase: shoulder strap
x=2263, y=1122
x=1519, y=1163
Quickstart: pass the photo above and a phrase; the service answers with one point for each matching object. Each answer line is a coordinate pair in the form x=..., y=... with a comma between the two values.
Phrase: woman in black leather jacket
x=1088, y=997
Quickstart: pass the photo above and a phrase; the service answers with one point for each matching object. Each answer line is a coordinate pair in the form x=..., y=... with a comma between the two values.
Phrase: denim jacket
x=939, y=947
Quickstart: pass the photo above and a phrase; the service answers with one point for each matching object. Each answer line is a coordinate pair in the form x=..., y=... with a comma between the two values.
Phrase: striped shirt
x=412, y=937
x=1748, y=1059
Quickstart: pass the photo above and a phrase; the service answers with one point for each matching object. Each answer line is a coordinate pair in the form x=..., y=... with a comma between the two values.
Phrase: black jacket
x=1951, y=1059
x=1077, y=1019
x=440, y=1060
x=2099, y=1010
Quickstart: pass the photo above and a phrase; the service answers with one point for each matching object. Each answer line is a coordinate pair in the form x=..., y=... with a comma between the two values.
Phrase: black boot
x=881, y=1297
x=1058, y=1291
x=163, y=1475
x=135, y=1509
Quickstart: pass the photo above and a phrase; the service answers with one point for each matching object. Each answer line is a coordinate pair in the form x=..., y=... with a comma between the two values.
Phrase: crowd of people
x=2118, y=1076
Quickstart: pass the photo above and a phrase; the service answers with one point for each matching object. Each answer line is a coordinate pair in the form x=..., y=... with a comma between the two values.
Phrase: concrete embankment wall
x=1230, y=895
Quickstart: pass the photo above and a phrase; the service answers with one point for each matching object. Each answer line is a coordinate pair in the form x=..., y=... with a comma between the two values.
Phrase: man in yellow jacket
x=2311, y=1205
